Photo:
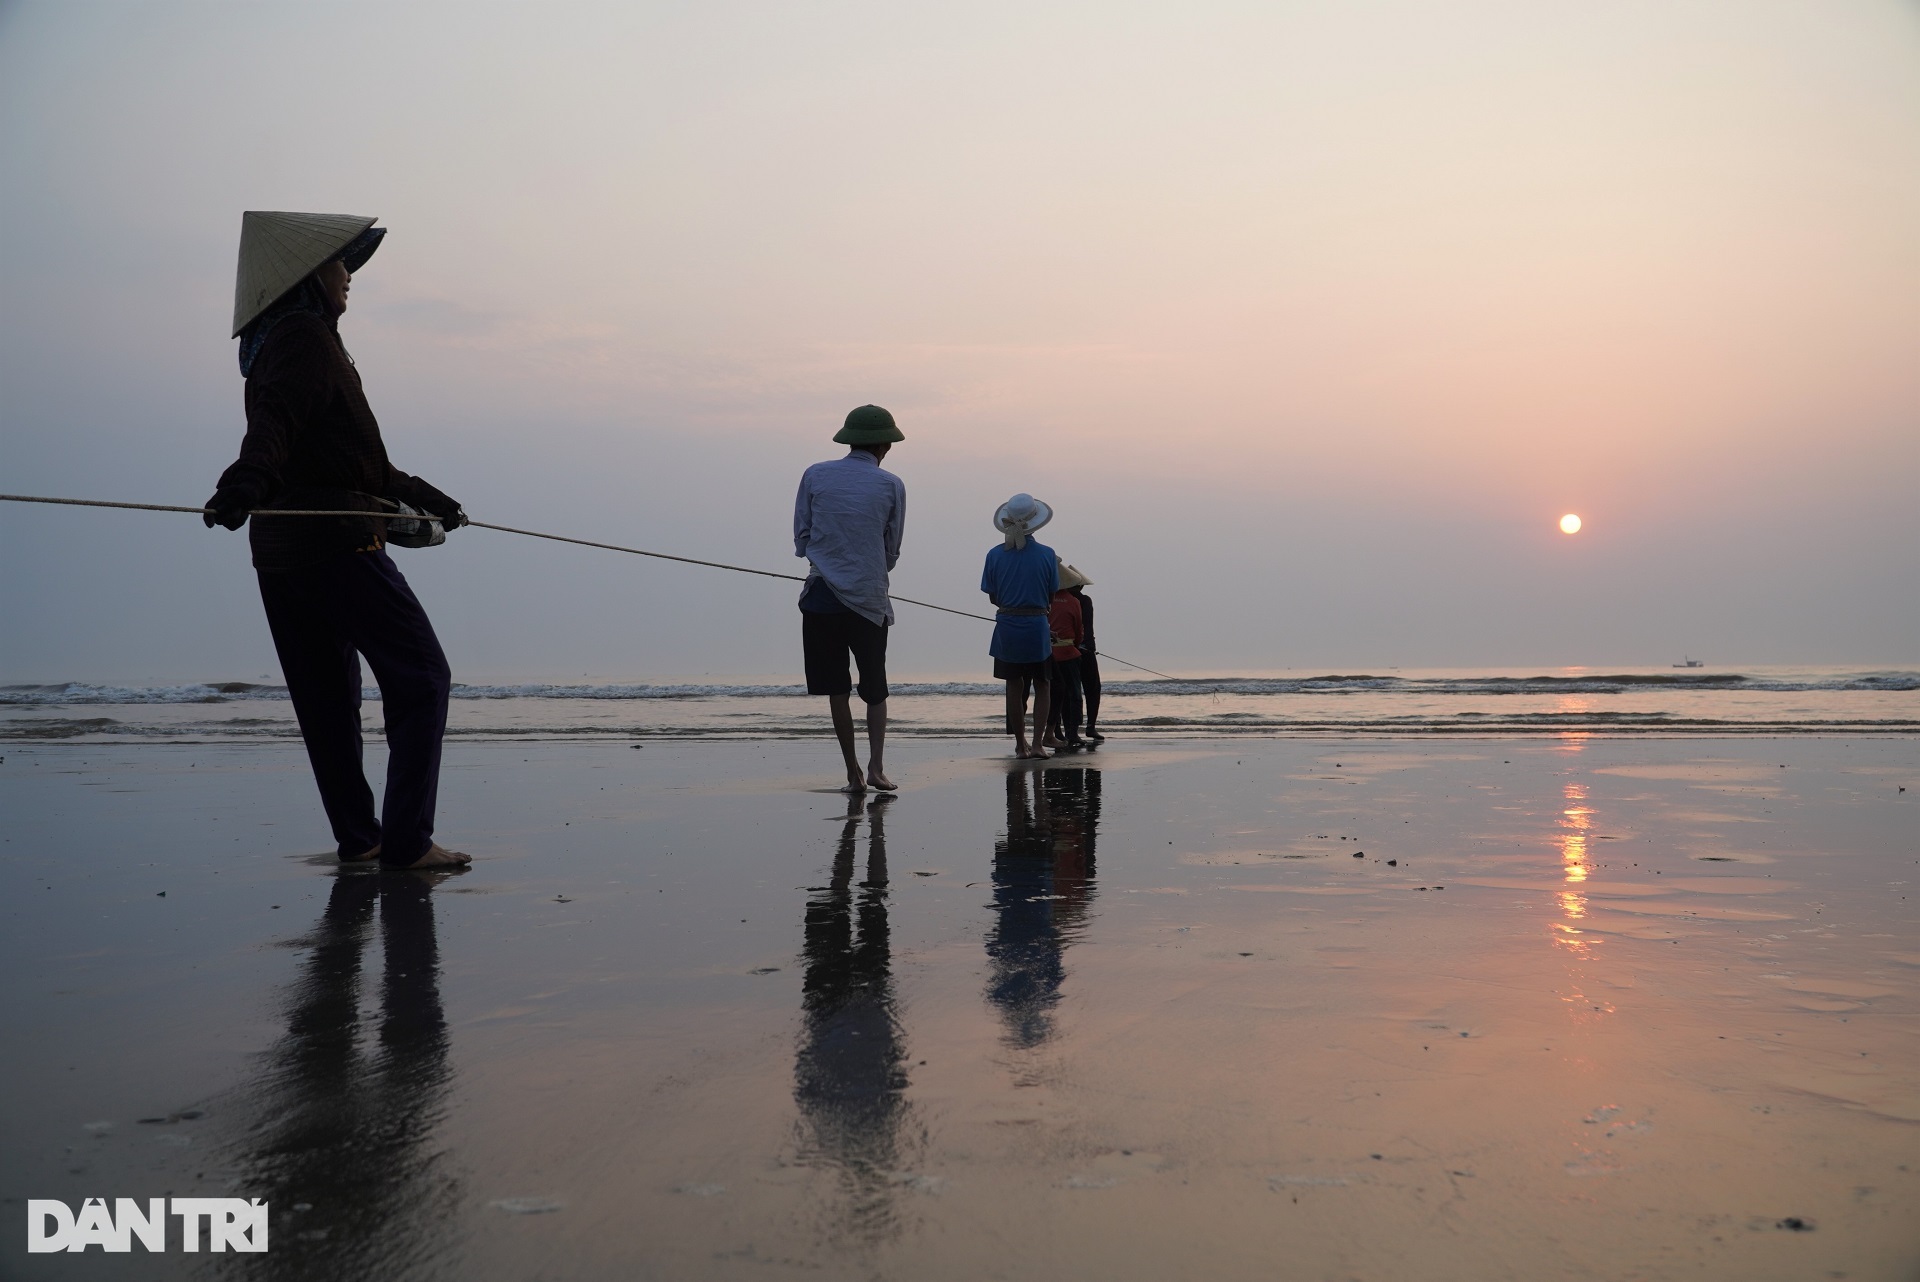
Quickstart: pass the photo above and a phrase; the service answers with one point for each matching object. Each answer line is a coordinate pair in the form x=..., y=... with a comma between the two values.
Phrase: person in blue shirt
x=1020, y=578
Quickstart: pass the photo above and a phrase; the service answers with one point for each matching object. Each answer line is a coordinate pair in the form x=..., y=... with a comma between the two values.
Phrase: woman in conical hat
x=1020, y=578
x=332, y=594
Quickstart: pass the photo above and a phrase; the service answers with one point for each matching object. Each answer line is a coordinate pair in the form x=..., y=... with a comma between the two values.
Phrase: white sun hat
x=1072, y=578
x=279, y=250
x=1019, y=517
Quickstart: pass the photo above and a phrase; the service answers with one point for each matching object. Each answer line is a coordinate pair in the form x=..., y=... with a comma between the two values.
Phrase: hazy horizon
x=1309, y=319
x=1114, y=672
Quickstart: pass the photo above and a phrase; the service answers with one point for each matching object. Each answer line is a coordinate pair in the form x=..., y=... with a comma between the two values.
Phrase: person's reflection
x=850, y=1072
x=343, y=1127
x=1042, y=885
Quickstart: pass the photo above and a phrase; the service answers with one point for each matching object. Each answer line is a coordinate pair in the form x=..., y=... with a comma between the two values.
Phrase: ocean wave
x=69, y=693
x=76, y=693
x=106, y=729
x=1611, y=683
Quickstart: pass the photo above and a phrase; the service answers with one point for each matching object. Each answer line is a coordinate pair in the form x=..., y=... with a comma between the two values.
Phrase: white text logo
x=233, y=1224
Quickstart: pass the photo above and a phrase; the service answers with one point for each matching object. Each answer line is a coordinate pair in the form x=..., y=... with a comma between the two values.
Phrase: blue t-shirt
x=1023, y=579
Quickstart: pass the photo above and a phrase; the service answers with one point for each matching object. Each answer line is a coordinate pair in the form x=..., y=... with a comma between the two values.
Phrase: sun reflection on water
x=1575, y=831
x=1576, y=822
x=1573, y=708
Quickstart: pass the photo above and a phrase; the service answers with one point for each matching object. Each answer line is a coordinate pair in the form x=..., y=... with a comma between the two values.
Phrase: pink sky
x=1303, y=313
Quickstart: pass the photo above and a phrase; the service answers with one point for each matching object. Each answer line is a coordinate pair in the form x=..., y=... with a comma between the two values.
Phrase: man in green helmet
x=847, y=522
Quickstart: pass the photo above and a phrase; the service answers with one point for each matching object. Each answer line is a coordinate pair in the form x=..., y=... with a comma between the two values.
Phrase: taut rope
x=532, y=534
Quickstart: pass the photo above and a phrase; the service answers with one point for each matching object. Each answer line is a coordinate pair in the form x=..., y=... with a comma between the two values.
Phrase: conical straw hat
x=278, y=250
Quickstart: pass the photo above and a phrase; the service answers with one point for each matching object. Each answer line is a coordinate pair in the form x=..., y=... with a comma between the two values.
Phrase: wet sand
x=1590, y=1008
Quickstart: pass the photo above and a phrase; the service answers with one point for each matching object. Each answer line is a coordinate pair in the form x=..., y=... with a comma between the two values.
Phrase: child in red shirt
x=1069, y=634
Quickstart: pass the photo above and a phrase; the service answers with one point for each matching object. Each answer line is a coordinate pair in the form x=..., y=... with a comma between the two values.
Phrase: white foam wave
x=77, y=693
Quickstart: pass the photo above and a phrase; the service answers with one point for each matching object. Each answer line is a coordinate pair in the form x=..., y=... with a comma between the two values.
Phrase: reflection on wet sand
x=1576, y=823
x=850, y=1072
x=1569, y=933
x=1042, y=886
x=341, y=1144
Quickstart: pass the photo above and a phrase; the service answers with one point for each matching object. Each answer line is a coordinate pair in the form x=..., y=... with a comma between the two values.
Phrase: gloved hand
x=229, y=508
x=439, y=506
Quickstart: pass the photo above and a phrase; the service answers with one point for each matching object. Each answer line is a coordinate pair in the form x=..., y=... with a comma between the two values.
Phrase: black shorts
x=828, y=639
x=1040, y=671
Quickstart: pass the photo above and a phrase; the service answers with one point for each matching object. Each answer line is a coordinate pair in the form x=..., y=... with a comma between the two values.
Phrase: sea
x=1414, y=704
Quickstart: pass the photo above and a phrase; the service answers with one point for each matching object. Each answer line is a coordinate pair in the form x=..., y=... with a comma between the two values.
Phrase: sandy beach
x=1477, y=1009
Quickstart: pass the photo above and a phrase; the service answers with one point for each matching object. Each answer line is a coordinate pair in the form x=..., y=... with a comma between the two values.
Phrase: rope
x=532, y=534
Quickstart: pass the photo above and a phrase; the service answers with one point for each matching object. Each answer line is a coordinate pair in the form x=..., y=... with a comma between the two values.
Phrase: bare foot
x=1051, y=742
x=366, y=858
x=878, y=778
x=855, y=785
x=438, y=856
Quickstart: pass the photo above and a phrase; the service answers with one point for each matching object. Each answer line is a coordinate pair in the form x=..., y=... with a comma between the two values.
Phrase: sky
x=1309, y=318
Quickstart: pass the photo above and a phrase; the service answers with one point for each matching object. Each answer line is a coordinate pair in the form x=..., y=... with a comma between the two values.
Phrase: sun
x=1569, y=524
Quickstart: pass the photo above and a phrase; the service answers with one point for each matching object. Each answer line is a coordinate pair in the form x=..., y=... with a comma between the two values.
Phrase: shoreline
x=895, y=730
x=1431, y=705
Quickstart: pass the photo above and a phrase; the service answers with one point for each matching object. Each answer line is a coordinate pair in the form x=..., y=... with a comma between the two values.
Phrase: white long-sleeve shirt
x=848, y=519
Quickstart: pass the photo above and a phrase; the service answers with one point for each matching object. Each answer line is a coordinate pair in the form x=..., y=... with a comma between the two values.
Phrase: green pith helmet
x=868, y=425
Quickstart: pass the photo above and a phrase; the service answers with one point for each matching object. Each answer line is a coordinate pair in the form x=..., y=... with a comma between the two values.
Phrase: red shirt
x=1069, y=633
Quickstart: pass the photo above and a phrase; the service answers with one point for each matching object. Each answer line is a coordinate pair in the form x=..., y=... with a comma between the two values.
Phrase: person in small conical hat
x=331, y=592
x=1069, y=646
x=1020, y=578
x=1089, y=662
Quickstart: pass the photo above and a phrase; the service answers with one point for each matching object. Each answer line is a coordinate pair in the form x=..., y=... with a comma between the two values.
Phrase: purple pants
x=324, y=617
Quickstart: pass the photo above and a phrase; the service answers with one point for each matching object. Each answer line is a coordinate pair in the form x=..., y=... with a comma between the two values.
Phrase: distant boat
x=1691, y=663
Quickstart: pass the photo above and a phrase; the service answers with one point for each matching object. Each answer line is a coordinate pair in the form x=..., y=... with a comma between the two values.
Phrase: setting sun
x=1569, y=524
